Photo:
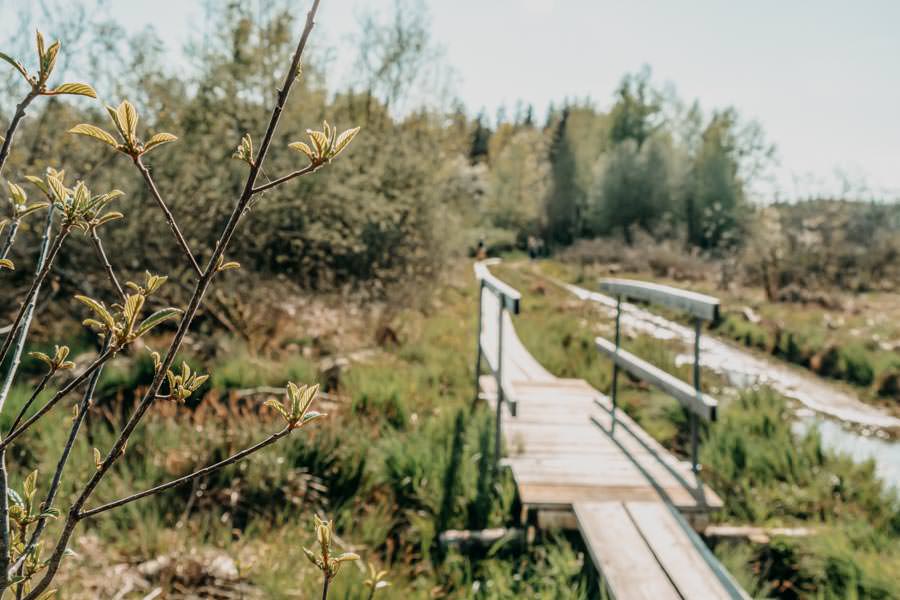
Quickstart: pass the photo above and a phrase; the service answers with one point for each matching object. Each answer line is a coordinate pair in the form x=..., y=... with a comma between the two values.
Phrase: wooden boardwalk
x=573, y=463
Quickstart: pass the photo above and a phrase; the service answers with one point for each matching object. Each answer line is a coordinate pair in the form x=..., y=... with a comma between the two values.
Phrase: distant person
x=480, y=250
x=532, y=247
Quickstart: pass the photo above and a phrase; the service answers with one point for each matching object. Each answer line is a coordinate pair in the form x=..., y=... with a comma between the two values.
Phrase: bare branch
x=10, y=238
x=101, y=254
x=311, y=168
x=13, y=125
x=62, y=393
x=37, y=392
x=202, y=286
x=170, y=218
x=35, y=288
x=191, y=476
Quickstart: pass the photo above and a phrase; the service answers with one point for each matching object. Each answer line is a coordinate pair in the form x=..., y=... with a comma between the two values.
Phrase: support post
x=614, y=390
x=498, y=374
x=478, y=342
x=695, y=463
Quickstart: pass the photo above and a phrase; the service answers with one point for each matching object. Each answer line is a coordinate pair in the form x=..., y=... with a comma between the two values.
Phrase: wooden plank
x=698, y=402
x=674, y=550
x=697, y=305
x=621, y=555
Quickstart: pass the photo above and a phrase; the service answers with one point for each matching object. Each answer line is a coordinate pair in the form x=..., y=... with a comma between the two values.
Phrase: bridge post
x=615, y=370
x=478, y=341
x=695, y=462
x=498, y=374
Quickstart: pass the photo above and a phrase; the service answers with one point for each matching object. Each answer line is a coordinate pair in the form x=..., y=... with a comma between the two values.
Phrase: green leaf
x=158, y=140
x=304, y=148
x=30, y=485
x=278, y=406
x=33, y=208
x=98, y=308
x=94, y=132
x=42, y=357
x=16, y=64
x=343, y=141
x=15, y=498
x=49, y=60
x=128, y=117
x=156, y=318
x=108, y=217
x=74, y=89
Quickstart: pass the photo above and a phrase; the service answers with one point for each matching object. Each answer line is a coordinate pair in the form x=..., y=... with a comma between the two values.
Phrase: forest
x=348, y=286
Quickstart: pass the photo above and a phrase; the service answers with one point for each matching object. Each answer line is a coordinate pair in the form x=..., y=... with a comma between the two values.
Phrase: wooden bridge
x=579, y=462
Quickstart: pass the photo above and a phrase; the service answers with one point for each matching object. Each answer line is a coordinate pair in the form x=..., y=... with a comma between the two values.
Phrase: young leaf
x=94, y=132
x=43, y=358
x=156, y=318
x=344, y=140
x=16, y=64
x=49, y=60
x=99, y=309
x=29, y=487
x=73, y=89
x=158, y=140
x=128, y=117
x=304, y=148
x=40, y=44
x=98, y=458
x=5, y=263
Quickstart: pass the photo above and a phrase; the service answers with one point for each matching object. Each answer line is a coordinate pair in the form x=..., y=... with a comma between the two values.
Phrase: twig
x=86, y=401
x=312, y=168
x=37, y=392
x=10, y=238
x=170, y=218
x=202, y=286
x=62, y=393
x=21, y=335
x=35, y=288
x=101, y=254
x=13, y=125
x=196, y=474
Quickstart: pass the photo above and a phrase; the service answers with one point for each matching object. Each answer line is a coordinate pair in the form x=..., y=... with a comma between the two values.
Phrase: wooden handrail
x=697, y=305
x=697, y=402
x=508, y=295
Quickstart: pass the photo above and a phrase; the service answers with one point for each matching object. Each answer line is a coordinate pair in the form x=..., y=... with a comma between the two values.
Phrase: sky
x=822, y=77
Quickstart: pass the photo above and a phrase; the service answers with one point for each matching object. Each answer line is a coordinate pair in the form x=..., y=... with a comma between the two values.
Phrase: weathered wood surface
x=647, y=552
x=697, y=305
x=701, y=404
x=567, y=452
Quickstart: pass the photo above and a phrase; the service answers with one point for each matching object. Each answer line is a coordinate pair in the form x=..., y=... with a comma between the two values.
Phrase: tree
x=481, y=136
x=565, y=198
x=715, y=202
x=637, y=111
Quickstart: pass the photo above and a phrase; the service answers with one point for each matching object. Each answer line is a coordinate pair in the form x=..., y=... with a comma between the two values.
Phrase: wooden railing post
x=614, y=391
x=478, y=340
x=498, y=374
x=695, y=463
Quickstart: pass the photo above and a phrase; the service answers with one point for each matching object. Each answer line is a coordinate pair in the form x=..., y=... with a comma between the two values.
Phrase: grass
x=404, y=455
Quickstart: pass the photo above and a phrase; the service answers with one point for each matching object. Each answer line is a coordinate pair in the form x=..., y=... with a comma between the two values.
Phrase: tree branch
x=92, y=368
x=170, y=218
x=10, y=238
x=13, y=125
x=37, y=392
x=86, y=401
x=191, y=476
x=202, y=286
x=101, y=254
x=311, y=168
x=35, y=288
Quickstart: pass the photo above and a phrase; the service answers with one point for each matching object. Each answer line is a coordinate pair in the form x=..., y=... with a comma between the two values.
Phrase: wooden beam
x=698, y=402
x=697, y=305
x=508, y=295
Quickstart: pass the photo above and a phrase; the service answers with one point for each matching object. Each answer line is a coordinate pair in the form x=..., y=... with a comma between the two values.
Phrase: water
x=845, y=423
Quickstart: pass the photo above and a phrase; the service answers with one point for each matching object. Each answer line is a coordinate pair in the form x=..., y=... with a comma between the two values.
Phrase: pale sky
x=821, y=76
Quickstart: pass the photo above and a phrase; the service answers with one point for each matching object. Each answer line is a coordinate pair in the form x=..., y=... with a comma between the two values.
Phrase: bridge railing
x=508, y=300
x=701, y=308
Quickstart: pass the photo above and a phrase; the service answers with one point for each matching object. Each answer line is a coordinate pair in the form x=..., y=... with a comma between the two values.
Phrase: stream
x=845, y=423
